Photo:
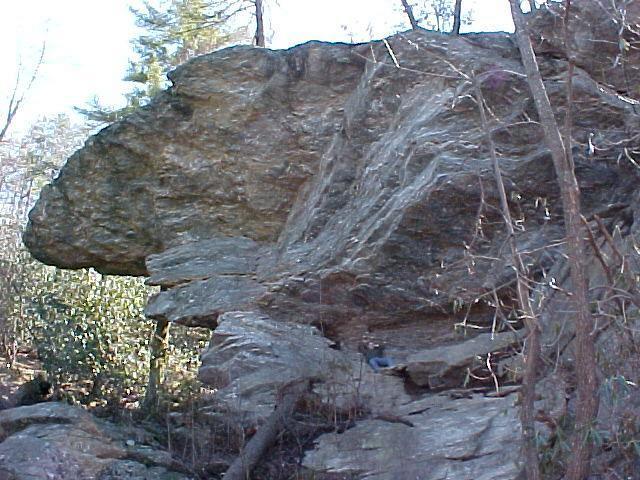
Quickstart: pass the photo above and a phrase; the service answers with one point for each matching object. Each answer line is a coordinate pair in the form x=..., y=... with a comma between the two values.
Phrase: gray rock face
x=362, y=181
x=466, y=439
x=250, y=357
x=598, y=24
x=199, y=303
x=220, y=270
x=203, y=260
x=55, y=441
x=446, y=366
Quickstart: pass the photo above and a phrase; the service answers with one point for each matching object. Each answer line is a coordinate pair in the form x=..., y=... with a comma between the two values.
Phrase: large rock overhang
x=356, y=177
x=222, y=152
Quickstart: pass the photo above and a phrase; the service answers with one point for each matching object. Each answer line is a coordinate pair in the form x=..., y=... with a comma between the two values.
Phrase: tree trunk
x=532, y=350
x=16, y=97
x=267, y=434
x=587, y=383
x=157, y=364
x=259, y=38
x=409, y=11
x=457, y=11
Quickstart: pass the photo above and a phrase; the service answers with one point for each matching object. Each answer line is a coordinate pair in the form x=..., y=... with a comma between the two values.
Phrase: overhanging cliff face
x=367, y=184
x=223, y=152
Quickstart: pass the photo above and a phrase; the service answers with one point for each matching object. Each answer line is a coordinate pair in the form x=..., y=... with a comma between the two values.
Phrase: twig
x=393, y=55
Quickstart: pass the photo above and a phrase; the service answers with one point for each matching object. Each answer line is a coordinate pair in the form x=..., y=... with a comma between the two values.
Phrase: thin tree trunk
x=457, y=11
x=158, y=363
x=259, y=38
x=587, y=383
x=241, y=467
x=532, y=351
x=409, y=11
x=16, y=97
x=532, y=5
x=588, y=400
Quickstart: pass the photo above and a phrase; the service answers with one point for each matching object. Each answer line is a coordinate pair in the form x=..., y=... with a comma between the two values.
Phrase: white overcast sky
x=88, y=42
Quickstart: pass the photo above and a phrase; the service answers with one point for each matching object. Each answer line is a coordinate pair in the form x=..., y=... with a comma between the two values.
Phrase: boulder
x=449, y=365
x=474, y=438
x=55, y=441
x=347, y=192
x=368, y=187
x=251, y=357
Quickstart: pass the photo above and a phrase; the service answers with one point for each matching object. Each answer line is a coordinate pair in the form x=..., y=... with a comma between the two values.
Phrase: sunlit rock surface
x=223, y=152
x=466, y=439
x=59, y=441
x=362, y=181
x=251, y=357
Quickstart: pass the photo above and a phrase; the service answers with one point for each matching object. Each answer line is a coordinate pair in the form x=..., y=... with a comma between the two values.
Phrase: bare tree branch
x=17, y=96
x=409, y=10
x=532, y=352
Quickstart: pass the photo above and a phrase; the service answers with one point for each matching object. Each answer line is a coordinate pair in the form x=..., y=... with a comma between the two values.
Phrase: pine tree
x=173, y=35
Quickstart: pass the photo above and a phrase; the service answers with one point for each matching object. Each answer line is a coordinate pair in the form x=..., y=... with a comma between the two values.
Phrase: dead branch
x=17, y=97
x=268, y=433
x=532, y=354
x=634, y=294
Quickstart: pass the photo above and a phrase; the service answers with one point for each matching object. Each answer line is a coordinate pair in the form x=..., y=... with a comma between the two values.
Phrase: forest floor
x=26, y=367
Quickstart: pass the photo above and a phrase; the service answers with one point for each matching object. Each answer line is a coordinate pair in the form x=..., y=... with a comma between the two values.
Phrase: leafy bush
x=88, y=330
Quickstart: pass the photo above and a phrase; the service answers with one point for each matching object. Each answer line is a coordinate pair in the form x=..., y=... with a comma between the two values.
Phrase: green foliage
x=173, y=33
x=88, y=329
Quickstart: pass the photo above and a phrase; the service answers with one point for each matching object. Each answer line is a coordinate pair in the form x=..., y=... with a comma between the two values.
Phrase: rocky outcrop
x=251, y=357
x=55, y=441
x=346, y=191
x=363, y=182
x=466, y=439
x=448, y=365
x=223, y=152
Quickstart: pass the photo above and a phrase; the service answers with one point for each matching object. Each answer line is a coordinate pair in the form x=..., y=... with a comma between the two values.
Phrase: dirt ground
x=25, y=369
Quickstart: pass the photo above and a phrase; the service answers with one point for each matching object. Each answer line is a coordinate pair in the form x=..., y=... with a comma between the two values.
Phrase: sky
x=88, y=42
